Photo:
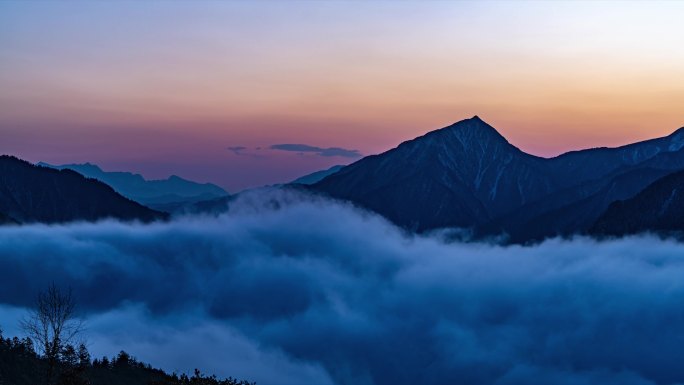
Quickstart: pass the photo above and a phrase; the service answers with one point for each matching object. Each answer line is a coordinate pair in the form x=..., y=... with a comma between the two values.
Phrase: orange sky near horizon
x=164, y=87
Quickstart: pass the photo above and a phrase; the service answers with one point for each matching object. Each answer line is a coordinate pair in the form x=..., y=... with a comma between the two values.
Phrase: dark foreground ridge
x=30, y=193
x=20, y=365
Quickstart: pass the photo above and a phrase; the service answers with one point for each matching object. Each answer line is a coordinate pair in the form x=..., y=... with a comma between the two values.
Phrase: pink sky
x=165, y=88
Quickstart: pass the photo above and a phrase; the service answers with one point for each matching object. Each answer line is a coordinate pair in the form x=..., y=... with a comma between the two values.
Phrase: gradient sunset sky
x=204, y=89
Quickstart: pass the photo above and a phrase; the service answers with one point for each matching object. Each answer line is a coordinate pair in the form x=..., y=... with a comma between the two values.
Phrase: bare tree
x=52, y=325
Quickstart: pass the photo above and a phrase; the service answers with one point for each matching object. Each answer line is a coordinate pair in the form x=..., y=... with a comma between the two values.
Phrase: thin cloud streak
x=237, y=150
x=327, y=152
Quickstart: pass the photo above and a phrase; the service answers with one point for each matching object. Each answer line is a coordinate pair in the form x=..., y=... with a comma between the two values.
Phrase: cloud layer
x=286, y=290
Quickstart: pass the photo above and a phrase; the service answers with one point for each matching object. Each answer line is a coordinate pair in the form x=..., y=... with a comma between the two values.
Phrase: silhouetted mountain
x=573, y=210
x=595, y=163
x=599, y=177
x=658, y=208
x=462, y=175
x=468, y=175
x=134, y=186
x=31, y=193
x=317, y=176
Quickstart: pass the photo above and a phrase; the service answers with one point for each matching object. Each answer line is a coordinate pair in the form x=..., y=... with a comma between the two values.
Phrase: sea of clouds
x=291, y=290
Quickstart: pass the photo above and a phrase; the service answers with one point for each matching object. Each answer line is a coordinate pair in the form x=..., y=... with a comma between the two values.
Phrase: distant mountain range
x=317, y=176
x=467, y=175
x=219, y=205
x=30, y=193
x=148, y=192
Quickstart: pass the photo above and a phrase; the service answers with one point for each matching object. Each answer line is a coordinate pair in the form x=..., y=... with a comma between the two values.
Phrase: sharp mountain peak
x=474, y=123
x=467, y=131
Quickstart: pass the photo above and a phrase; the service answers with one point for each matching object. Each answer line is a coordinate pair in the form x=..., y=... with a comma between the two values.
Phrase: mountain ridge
x=30, y=193
x=657, y=208
x=147, y=191
x=468, y=175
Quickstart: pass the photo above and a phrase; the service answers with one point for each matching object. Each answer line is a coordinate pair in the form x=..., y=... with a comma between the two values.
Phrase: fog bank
x=288, y=290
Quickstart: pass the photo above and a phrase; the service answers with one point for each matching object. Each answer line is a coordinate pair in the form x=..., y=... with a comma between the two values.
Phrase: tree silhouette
x=83, y=357
x=52, y=325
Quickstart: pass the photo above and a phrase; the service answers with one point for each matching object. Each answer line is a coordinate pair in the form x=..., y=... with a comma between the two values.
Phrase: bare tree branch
x=52, y=324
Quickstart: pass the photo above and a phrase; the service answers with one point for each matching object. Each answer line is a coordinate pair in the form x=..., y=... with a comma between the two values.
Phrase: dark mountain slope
x=659, y=208
x=31, y=193
x=595, y=163
x=5, y=219
x=578, y=215
x=574, y=209
x=461, y=175
x=134, y=186
x=468, y=175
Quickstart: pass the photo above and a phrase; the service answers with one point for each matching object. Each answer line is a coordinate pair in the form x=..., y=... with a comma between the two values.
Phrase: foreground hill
x=134, y=186
x=20, y=365
x=467, y=175
x=659, y=208
x=30, y=193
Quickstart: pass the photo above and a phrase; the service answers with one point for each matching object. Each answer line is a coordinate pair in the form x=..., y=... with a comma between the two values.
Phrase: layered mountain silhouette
x=30, y=193
x=317, y=176
x=148, y=192
x=467, y=175
x=658, y=208
x=220, y=205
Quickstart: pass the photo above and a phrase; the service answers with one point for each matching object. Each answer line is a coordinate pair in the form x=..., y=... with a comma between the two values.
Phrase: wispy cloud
x=330, y=151
x=237, y=150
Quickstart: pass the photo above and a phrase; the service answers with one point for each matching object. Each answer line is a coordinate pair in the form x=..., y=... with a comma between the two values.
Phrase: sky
x=244, y=94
